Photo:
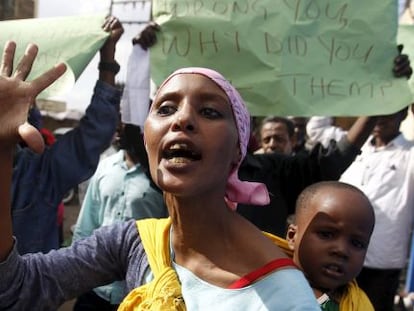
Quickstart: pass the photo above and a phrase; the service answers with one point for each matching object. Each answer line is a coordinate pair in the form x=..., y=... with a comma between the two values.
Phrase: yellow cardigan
x=163, y=293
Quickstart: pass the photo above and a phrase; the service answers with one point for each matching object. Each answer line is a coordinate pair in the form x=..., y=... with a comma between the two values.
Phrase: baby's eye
x=166, y=109
x=325, y=235
x=210, y=113
x=359, y=244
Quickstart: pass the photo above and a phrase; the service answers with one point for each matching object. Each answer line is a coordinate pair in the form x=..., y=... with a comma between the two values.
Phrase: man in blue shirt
x=118, y=191
x=40, y=181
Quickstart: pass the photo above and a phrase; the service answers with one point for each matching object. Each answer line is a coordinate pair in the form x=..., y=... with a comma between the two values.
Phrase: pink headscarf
x=237, y=191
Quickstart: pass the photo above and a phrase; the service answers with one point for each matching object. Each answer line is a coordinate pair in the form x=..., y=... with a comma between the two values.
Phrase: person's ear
x=291, y=236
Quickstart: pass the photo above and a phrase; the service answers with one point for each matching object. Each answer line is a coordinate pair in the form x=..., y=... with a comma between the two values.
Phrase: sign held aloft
x=288, y=57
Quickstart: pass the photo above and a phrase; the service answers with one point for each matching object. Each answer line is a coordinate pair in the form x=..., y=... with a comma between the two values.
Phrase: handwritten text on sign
x=288, y=57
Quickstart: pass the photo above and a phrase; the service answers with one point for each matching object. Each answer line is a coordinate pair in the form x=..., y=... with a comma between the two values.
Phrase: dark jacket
x=285, y=178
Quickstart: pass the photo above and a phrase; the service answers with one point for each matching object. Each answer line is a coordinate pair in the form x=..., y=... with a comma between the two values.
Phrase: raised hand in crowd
x=148, y=36
x=16, y=96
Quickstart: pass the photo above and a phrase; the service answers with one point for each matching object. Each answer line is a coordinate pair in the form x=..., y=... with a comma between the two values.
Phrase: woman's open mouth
x=180, y=153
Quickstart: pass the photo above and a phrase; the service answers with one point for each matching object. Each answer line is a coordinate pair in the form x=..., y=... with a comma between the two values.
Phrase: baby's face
x=332, y=236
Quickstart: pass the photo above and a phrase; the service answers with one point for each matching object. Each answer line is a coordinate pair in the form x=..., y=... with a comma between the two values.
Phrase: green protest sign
x=73, y=40
x=288, y=57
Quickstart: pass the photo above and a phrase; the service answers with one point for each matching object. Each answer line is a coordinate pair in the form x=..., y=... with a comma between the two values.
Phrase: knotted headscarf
x=237, y=191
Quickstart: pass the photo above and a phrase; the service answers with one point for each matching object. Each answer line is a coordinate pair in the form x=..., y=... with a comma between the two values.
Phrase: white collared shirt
x=386, y=176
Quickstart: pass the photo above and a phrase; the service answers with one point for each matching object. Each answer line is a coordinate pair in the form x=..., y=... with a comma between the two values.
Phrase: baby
x=329, y=238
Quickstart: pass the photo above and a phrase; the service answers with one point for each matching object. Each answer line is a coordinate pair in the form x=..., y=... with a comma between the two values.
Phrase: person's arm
x=360, y=131
x=148, y=36
x=108, y=67
x=133, y=111
x=37, y=281
x=83, y=145
x=135, y=101
x=321, y=130
x=68, y=162
x=16, y=96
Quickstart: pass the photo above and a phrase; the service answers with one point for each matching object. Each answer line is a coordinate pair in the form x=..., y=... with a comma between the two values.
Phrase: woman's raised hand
x=17, y=95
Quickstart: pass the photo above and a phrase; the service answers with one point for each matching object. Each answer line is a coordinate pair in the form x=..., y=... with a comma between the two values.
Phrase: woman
x=205, y=256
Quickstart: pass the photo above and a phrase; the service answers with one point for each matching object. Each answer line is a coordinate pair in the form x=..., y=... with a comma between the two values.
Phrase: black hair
x=290, y=126
x=311, y=191
x=132, y=141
